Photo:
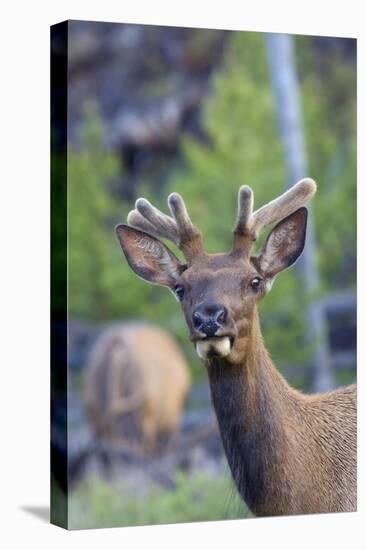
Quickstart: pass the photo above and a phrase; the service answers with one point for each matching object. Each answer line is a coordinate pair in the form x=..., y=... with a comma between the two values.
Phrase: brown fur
x=289, y=453
x=136, y=370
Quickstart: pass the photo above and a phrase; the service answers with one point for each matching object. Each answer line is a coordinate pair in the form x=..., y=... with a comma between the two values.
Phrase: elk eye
x=255, y=282
x=179, y=292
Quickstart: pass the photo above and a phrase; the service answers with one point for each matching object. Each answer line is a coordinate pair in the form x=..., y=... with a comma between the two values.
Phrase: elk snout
x=208, y=319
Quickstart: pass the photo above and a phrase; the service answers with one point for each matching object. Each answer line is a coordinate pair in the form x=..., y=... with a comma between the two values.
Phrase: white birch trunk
x=286, y=88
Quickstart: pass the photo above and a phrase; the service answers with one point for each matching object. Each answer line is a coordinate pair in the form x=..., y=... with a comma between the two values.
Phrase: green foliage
x=196, y=498
x=91, y=211
x=101, y=286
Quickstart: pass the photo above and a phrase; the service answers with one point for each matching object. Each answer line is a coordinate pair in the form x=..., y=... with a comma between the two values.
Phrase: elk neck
x=251, y=401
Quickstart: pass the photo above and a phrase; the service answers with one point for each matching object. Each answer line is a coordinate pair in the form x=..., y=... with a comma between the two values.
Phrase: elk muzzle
x=209, y=324
x=209, y=319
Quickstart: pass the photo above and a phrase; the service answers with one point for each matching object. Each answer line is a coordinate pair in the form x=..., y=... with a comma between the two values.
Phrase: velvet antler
x=179, y=228
x=249, y=224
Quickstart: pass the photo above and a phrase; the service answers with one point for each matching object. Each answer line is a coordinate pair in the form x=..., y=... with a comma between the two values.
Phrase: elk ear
x=148, y=257
x=284, y=244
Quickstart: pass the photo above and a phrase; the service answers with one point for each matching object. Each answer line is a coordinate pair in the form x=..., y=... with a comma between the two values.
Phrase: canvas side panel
x=59, y=448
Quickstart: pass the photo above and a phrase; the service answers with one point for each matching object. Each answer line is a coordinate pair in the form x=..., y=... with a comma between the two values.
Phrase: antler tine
x=242, y=230
x=283, y=205
x=249, y=225
x=179, y=212
x=162, y=225
x=190, y=240
x=137, y=220
x=178, y=229
x=245, y=209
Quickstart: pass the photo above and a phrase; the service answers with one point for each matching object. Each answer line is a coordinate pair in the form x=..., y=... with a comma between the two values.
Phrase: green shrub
x=196, y=498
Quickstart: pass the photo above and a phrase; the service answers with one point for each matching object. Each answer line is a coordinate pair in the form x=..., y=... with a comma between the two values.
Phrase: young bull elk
x=289, y=453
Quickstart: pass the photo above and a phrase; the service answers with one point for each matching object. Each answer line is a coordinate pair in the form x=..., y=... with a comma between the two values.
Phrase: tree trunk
x=286, y=88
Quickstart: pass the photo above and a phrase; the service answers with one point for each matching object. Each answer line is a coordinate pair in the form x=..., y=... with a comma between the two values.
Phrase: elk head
x=218, y=292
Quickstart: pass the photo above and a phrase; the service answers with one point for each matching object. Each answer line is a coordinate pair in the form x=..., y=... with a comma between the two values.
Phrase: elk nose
x=208, y=319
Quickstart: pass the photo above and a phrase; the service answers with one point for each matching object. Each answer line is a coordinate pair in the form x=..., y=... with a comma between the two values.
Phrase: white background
x=24, y=219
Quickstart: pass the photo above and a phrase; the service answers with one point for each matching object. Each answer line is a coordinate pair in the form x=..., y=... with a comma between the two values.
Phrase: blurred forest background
x=156, y=109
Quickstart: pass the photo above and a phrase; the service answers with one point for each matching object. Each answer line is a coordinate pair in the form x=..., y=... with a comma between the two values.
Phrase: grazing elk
x=289, y=453
x=136, y=383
